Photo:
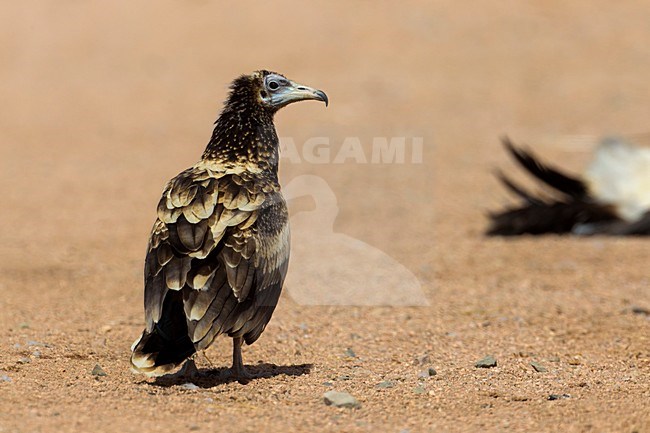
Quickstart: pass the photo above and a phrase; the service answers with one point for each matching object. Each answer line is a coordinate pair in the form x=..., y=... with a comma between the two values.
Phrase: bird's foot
x=240, y=374
x=189, y=371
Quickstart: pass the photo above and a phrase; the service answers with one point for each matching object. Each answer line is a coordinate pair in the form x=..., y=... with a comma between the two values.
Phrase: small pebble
x=340, y=399
x=487, y=362
x=538, y=367
x=36, y=353
x=37, y=343
x=558, y=396
x=98, y=371
x=189, y=386
x=349, y=352
x=328, y=384
x=424, y=359
x=23, y=325
x=385, y=384
x=344, y=377
x=641, y=310
x=5, y=378
x=419, y=390
x=24, y=360
x=427, y=373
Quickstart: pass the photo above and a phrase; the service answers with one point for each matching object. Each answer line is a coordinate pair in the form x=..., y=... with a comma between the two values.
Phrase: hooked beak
x=297, y=92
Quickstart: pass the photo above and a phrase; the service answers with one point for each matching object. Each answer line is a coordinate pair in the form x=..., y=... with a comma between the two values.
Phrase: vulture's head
x=269, y=91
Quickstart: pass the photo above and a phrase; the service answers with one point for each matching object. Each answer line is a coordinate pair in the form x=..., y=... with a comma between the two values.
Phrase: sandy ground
x=104, y=101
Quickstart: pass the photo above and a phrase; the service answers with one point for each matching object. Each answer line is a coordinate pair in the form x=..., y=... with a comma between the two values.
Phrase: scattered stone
x=340, y=399
x=344, y=377
x=419, y=390
x=424, y=359
x=37, y=343
x=24, y=360
x=385, y=384
x=209, y=400
x=554, y=359
x=349, y=352
x=328, y=384
x=538, y=367
x=427, y=373
x=16, y=345
x=641, y=310
x=487, y=362
x=5, y=378
x=558, y=396
x=194, y=427
x=98, y=371
x=36, y=353
x=23, y=325
x=189, y=386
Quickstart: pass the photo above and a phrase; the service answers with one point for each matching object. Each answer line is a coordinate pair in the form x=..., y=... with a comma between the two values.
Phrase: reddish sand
x=103, y=102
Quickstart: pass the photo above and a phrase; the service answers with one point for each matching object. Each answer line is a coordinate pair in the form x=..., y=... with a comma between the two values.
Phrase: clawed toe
x=240, y=375
x=188, y=371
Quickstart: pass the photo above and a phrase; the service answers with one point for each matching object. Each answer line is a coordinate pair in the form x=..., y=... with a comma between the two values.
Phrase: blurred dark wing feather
x=539, y=214
x=552, y=177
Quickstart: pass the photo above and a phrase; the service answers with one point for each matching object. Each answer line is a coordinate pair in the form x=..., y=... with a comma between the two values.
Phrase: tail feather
x=167, y=345
x=552, y=177
x=518, y=190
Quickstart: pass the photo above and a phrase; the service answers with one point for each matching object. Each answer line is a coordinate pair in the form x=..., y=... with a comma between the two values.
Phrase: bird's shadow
x=211, y=377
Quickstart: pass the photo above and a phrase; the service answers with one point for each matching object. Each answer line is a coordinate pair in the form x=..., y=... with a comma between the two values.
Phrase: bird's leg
x=207, y=359
x=238, y=370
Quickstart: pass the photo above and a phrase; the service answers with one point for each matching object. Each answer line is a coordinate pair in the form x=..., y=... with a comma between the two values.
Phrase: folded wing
x=216, y=261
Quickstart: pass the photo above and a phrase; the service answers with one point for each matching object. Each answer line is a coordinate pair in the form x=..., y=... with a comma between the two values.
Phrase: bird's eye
x=273, y=85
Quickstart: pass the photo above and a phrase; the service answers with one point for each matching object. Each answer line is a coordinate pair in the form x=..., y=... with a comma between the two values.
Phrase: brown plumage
x=219, y=249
